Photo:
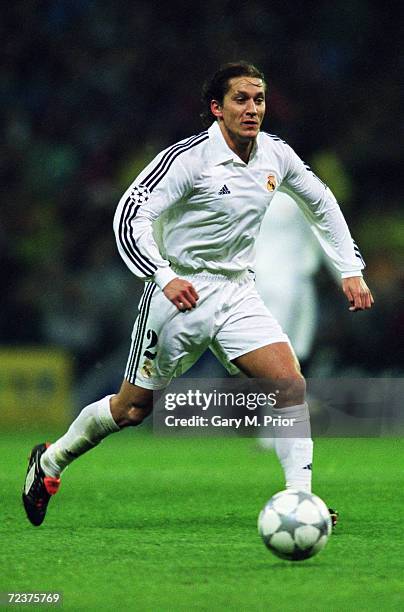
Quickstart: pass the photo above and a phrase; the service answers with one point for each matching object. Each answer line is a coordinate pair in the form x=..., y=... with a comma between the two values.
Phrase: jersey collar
x=221, y=152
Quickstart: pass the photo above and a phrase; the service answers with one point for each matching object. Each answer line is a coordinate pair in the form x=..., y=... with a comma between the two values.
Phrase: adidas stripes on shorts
x=230, y=318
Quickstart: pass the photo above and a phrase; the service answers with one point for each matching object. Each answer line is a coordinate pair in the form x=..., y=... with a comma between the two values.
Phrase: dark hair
x=217, y=86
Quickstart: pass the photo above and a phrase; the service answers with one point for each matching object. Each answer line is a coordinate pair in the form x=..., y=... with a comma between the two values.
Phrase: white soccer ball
x=294, y=525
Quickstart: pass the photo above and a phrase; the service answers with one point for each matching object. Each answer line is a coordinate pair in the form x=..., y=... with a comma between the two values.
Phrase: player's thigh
x=255, y=343
x=252, y=337
x=165, y=341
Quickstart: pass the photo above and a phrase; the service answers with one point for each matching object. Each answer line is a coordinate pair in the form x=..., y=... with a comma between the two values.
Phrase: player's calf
x=94, y=423
x=129, y=415
x=131, y=405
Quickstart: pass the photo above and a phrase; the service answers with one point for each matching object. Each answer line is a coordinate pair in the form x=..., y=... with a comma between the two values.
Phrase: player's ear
x=216, y=109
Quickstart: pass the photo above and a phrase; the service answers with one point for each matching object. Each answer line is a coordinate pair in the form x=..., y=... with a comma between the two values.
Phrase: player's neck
x=241, y=147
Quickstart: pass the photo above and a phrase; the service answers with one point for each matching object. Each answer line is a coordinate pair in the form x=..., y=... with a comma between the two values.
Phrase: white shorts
x=230, y=318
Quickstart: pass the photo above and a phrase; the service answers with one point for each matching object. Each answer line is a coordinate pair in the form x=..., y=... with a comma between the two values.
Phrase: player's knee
x=292, y=391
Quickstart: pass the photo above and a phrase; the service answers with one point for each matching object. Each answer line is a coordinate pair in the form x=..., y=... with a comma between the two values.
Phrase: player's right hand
x=181, y=293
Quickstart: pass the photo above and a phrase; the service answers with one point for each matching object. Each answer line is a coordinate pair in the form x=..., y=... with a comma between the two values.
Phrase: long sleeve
x=164, y=182
x=321, y=209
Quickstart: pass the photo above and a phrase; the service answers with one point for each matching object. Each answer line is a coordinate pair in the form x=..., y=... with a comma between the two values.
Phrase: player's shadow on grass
x=306, y=564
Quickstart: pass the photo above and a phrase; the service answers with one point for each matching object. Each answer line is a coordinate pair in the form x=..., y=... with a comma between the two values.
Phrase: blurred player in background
x=287, y=259
x=211, y=192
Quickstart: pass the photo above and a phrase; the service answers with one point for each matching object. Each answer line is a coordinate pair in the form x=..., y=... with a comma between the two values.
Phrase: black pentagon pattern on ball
x=139, y=194
x=289, y=523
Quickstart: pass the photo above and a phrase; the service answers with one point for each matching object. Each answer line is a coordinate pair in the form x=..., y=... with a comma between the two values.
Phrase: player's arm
x=321, y=209
x=152, y=193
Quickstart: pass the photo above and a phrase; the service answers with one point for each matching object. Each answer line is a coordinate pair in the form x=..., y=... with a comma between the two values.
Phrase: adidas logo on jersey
x=224, y=190
x=309, y=466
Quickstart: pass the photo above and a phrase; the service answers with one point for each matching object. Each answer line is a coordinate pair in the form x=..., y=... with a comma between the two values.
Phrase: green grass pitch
x=155, y=524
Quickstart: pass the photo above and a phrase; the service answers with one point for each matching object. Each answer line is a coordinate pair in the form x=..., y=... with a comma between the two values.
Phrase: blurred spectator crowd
x=91, y=90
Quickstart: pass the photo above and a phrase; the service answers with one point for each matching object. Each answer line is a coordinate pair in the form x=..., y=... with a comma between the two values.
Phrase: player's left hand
x=358, y=293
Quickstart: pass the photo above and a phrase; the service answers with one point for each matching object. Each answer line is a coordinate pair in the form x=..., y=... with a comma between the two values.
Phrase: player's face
x=243, y=108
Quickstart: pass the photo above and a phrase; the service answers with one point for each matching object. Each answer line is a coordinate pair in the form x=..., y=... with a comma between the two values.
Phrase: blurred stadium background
x=91, y=90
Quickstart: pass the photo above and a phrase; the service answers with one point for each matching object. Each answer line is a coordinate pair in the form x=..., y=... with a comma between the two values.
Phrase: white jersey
x=209, y=205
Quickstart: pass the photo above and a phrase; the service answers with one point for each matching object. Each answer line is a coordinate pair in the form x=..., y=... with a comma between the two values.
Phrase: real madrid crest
x=271, y=182
x=147, y=369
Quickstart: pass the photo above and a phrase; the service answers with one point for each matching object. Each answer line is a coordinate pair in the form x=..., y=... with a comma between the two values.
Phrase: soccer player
x=209, y=193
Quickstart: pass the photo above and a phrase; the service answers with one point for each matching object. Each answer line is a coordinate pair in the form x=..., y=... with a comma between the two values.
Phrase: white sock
x=295, y=454
x=92, y=425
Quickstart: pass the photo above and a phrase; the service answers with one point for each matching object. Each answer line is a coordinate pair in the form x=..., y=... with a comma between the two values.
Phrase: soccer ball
x=294, y=525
